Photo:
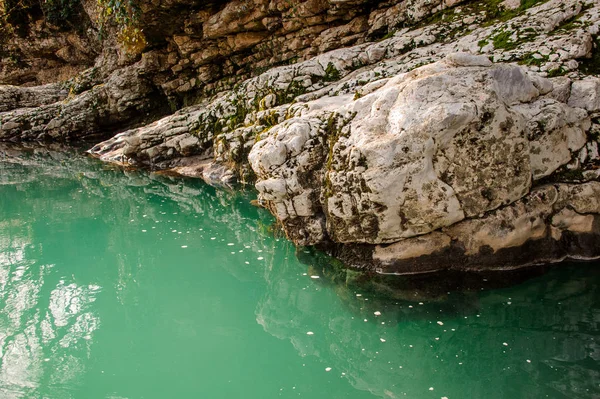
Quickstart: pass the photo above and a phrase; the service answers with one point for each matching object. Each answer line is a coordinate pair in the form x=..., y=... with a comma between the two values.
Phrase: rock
x=161, y=143
x=561, y=89
x=511, y=4
x=424, y=151
x=466, y=59
x=406, y=147
x=513, y=85
x=124, y=99
x=413, y=248
x=570, y=220
x=586, y=94
x=540, y=228
x=289, y=167
x=509, y=227
x=556, y=132
x=13, y=97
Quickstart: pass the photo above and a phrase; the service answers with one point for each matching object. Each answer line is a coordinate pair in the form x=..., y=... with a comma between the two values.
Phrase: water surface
x=123, y=284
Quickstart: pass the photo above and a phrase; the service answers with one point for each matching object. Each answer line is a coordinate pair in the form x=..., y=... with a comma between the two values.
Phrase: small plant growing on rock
x=560, y=71
x=125, y=16
x=331, y=73
x=60, y=12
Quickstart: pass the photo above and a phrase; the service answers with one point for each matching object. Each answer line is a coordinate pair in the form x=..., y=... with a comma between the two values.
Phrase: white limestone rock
x=555, y=131
x=412, y=248
x=288, y=166
x=421, y=151
x=508, y=227
x=586, y=94
x=429, y=148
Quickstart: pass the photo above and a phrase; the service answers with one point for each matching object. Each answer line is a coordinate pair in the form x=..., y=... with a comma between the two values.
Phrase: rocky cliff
x=402, y=136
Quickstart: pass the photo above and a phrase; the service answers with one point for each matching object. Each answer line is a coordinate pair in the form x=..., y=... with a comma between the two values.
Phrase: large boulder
x=448, y=141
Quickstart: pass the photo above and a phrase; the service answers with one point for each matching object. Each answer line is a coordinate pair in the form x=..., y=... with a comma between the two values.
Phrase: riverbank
x=442, y=136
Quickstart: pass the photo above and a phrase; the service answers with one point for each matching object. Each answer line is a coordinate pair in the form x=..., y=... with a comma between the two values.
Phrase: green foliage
x=388, y=35
x=495, y=11
x=16, y=15
x=14, y=18
x=125, y=15
x=122, y=12
x=569, y=24
x=268, y=119
x=487, y=12
x=241, y=110
x=560, y=71
x=5, y=31
x=60, y=12
x=503, y=41
x=507, y=40
x=17, y=12
x=531, y=59
x=331, y=73
x=492, y=11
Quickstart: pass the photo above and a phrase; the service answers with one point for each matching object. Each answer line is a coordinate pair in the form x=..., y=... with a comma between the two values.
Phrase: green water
x=121, y=284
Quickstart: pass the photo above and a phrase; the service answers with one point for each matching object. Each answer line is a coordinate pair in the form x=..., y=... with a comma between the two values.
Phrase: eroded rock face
x=13, y=97
x=445, y=142
x=35, y=50
x=291, y=163
x=124, y=98
x=549, y=224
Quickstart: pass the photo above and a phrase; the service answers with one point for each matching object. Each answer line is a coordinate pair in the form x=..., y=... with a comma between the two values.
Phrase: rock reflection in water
x=46, y=326
x=391, y=334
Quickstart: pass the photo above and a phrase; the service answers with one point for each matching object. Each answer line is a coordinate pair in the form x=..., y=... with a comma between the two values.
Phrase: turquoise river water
x=123, y=284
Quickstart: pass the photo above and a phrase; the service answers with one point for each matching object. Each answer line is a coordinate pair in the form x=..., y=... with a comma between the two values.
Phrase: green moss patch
x=331, y=73
x=533, y=59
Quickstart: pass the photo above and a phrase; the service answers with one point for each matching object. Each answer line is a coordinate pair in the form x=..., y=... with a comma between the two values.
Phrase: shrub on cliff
x=124, y=15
